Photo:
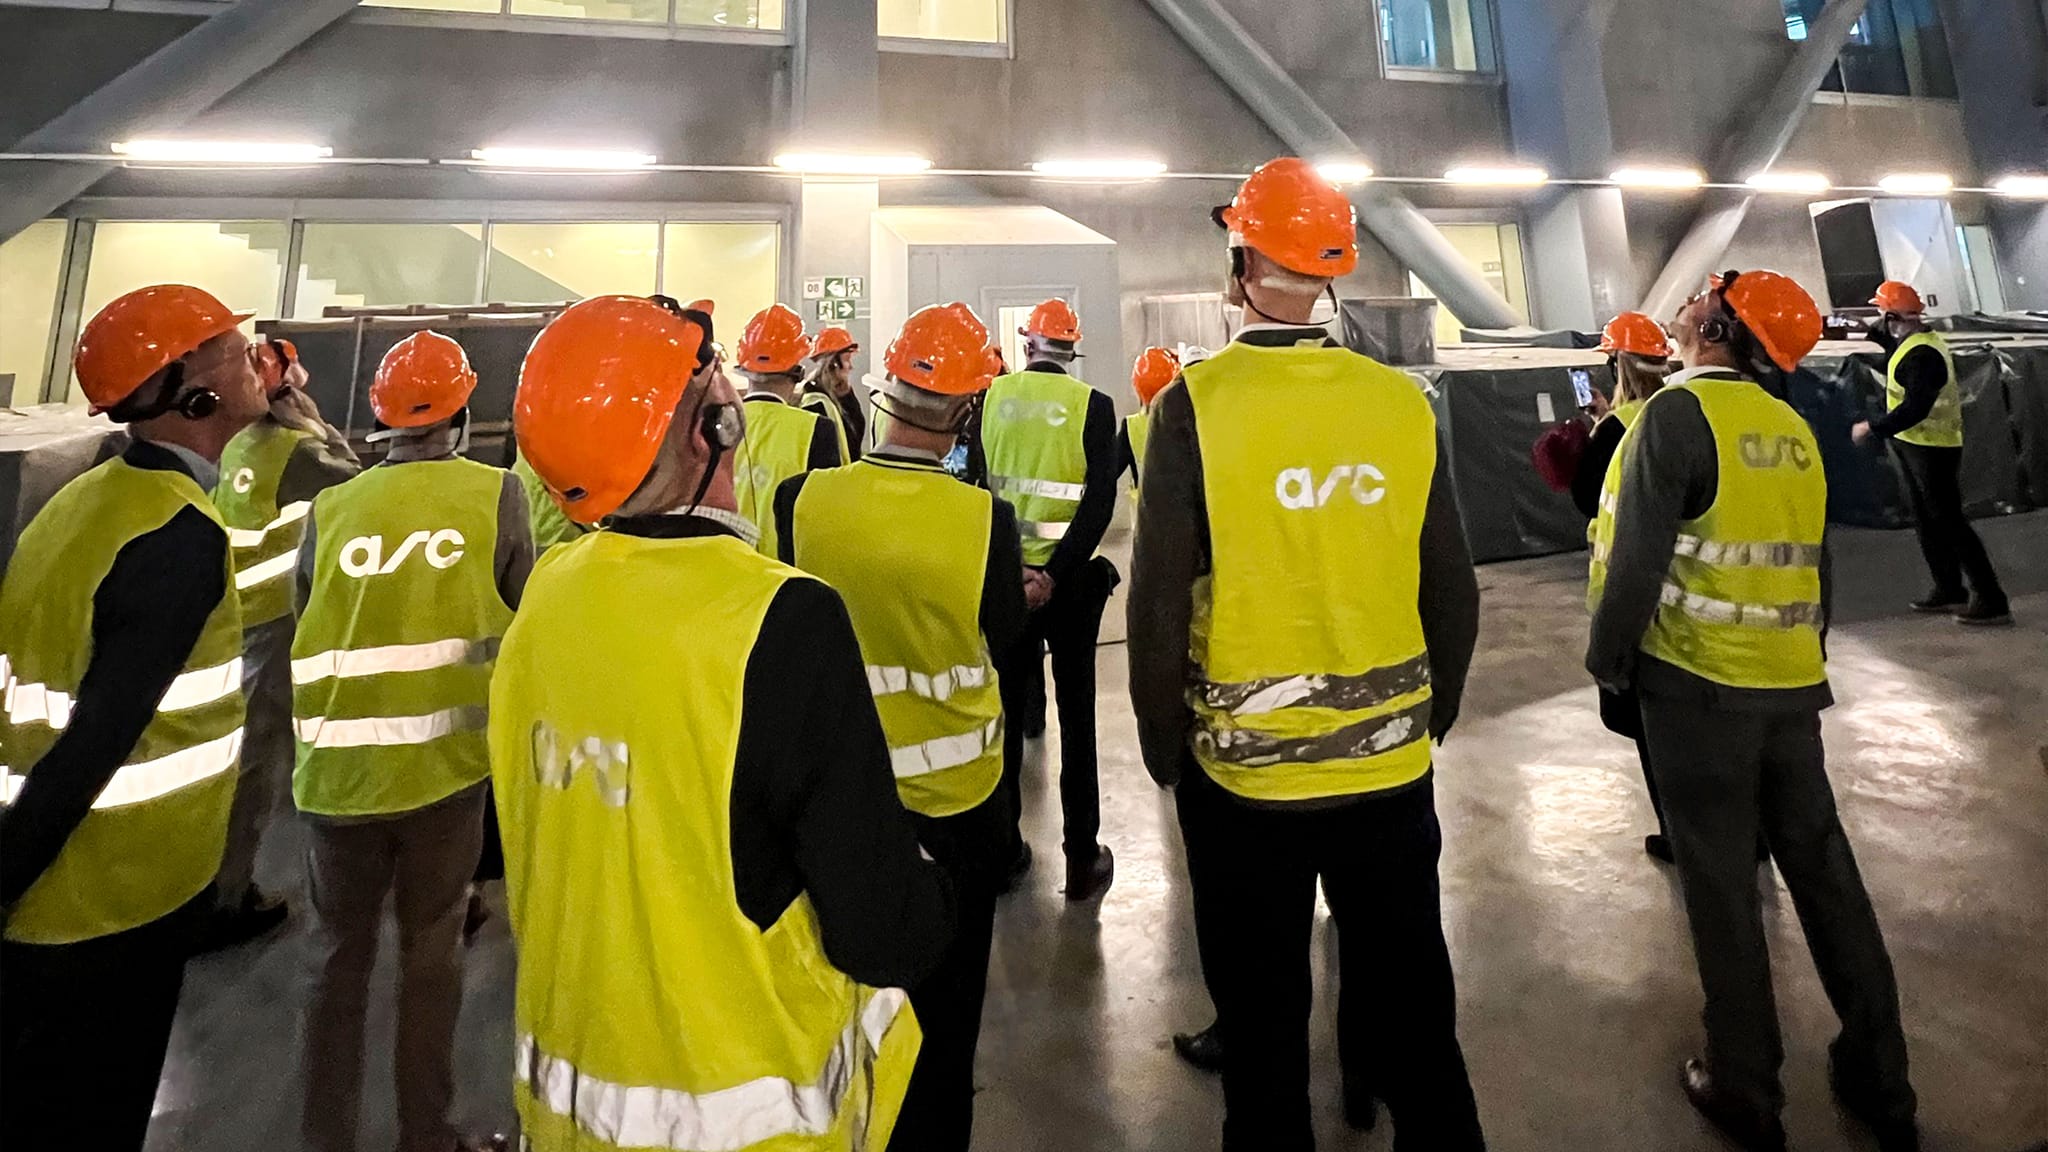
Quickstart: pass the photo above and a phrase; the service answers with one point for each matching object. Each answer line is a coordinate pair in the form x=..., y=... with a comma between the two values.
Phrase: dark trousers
x=1724, y=775
x=1068, y=625
x=1254, y=873
x=974, y=847
x=1950, y=544
x=423, y=861
x=1623, y=716
x=85, y=1026
x=267, y=755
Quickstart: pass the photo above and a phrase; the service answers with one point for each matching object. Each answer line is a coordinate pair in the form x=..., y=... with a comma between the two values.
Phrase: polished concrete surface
x=1574, y=968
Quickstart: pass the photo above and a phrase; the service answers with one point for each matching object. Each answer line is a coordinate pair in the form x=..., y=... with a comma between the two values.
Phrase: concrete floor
x=1574, y=969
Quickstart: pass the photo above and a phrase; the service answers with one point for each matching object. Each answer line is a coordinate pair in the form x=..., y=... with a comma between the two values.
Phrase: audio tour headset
x=722, y=425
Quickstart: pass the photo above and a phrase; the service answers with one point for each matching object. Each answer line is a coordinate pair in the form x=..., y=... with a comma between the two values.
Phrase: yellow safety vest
x=828, y=407
x=777, y=447
x=550, y=525
x=1312, y=678
x=1033, y=434
x=1600, y=529
x=1943, y=427
x=154, y=836
x=650, y=1011
x=1138, y=430
x=265, y=537
x=1741, y=604
x=391, y=664
x=907, y=546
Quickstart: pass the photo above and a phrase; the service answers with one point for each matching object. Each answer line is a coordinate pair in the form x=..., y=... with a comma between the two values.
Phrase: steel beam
x=162, y=93
x=1293, y=115
x=1766, y=130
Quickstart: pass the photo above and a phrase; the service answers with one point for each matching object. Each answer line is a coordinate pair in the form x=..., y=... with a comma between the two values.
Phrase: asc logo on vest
x=1014, y=410
x=1774, y=452
x=364, y=555
x=1297, y=487
x=245, y=479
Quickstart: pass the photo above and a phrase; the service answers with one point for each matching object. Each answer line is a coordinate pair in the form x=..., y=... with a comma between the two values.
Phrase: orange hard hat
x=943, y=348
x=1154, y=370
x=1776, y=310
x=1898, y=299
x=141, y=334
x=1288, y=211
x=596, y=395
x=424, y=379
x=773, y=342
x=707, y=307
x=833, y=340
x=1636, y=334
x=1054, y=320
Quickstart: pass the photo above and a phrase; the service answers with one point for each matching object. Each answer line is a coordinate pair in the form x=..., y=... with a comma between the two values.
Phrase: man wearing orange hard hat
x=1712, y=609
x=1049, y=443
x=716, y=895
x=1302, y=614
x=269, y=474
x=409, y=574
x=121, y=665
x=828, y=387
x=783, y=440
x=1924, y=422
x=932, y=574
x=1153, y=370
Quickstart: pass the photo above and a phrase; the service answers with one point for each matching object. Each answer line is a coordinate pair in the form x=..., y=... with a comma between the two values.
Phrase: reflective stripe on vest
x=652, y=1011
x=290, y=514
x=391, y=661
x=1311, y=676
x=1741, y=602
x=263, y=536
x=1034, y=437
x=907, y=547
x=727, y=1120
x=1943, y=425
x=152, y=838
x=265, y=571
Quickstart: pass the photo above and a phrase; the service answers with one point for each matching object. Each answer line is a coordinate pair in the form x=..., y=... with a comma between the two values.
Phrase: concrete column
x=835, y=105
x=163, y=92
x=2001, y=59
x=1557, y=107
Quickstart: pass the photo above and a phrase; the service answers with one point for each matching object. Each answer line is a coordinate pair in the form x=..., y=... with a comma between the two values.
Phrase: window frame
x=1846, y=96
x=1004, y=49
x=1498, y=218
x=85, y=214
x=1391, y=71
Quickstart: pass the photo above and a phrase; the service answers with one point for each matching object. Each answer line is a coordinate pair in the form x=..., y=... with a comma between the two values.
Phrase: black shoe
x=1203, y=1049
x=1939, y=601
x=1982, y=615
x=1894, y=1133
x=1361, y=1111
x=1751, y=1130
x=1089, y=876
x=1020, y=865
x=231, y=927
x=474, y=917
x=1658, y=845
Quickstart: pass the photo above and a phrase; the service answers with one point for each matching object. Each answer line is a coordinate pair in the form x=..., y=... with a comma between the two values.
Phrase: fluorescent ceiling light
x=1502, y=177
x=1808, y=183
x=1659, y=177
x=562, y=159
x=851, y=164
x=2033, y=187
x=1099, y=169
x=1918, y=184
x=1345, y=173
x=221, y=152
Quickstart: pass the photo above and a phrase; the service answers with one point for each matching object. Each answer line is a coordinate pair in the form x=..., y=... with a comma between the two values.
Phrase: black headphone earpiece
x=720, y=427
x=1237, y=264
x=198, y=404
x=1716, y=330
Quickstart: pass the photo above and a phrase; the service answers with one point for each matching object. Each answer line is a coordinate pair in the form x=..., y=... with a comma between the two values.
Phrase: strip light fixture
x=220, y=152
x=1345, y=173
x=562, y=159
x=1918, y=184
x=852, y=164
x=1801, y=183
x=1509, y=176
x=2022, y=187
x=1673, y=178
x=1099, y=169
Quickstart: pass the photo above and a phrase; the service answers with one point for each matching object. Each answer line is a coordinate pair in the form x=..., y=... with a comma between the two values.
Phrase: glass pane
x=979, y=21
x=438, y=5
x=1455, y=35
x=1495, y=252
x=644, y=11
x=738, y=266
x=31, y=268
x=542, y=263
x=766, y=14
x=1898, y=48
x=371, y=265
x=239, y=261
